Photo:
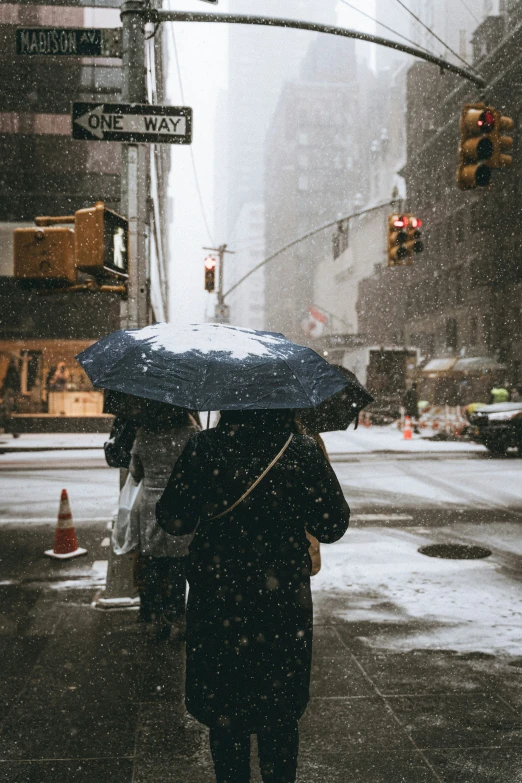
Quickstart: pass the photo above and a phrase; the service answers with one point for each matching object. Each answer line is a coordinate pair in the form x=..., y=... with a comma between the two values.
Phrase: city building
x=463, y=295
x=260, y=61
x=314, y=170
x=43, y=171
x=247, y=302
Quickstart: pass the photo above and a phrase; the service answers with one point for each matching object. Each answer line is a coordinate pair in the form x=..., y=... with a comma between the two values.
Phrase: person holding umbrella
x=247, y=491
x=256, y=487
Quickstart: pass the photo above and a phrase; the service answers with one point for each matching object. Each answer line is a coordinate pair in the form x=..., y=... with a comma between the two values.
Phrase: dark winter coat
x=249, y=614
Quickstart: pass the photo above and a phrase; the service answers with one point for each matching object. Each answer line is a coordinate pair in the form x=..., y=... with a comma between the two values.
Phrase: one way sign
x=132, y=122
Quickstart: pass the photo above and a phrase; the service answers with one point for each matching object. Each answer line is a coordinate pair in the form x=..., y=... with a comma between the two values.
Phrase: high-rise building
x=43, y=171
x=260, y=61
x=314, y=171
x=247, y=302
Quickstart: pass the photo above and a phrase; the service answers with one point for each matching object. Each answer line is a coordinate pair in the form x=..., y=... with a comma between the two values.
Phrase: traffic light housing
x=483, y=145
x=54, y=252
x=45, y=255
x=101, y=239
x=404, y=239
x=502, y=144
x=210, y=273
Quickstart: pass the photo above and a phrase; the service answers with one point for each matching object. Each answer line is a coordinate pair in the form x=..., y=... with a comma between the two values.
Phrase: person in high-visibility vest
x=498, y=394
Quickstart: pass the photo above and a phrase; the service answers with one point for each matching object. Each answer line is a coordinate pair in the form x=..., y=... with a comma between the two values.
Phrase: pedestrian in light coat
x=160, y=569
x=249, y=614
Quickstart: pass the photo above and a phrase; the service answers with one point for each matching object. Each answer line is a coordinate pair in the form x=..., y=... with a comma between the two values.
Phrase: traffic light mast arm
x=304, y=237
x=269, y=21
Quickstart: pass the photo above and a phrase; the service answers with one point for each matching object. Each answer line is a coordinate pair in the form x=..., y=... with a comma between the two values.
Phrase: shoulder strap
x=256, y=482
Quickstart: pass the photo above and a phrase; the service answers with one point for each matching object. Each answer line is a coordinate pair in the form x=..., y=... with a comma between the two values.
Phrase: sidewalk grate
x=454, y=551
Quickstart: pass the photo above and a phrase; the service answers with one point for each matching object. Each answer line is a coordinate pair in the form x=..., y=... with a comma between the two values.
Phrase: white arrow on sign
x=98, y=123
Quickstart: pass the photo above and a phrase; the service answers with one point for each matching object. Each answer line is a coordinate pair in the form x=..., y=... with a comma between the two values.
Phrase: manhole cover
x=455, y=551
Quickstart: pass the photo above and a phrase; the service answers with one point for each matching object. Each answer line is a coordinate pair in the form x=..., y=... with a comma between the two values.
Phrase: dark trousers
x=278, y=749
x=161, y=584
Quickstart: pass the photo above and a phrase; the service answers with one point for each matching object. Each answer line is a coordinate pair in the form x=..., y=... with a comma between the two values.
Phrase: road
x=416, y=672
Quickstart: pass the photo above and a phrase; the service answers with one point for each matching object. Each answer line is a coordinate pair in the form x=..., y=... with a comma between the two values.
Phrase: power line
x=468, y=9
x=430, y=31
x=196, y=178
x=381, y=24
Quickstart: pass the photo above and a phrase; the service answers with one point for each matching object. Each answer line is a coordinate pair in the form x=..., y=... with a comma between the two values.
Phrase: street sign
x=132, y=122
x=56, y=41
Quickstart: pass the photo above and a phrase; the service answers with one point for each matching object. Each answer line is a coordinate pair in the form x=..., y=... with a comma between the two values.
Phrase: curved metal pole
x=295, y=24
x=307, y=236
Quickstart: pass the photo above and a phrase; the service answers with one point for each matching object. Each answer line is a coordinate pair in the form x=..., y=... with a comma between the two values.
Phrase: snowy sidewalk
x=389, y=439
x=363, y=440
x=415, y=679
x=52, y=441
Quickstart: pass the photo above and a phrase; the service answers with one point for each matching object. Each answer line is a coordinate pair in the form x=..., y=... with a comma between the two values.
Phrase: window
x=452, y=336
x=459, y=228
x=473, y=330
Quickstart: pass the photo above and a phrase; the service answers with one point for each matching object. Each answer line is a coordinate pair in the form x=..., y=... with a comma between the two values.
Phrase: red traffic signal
x=210, y=273
x=404, y=239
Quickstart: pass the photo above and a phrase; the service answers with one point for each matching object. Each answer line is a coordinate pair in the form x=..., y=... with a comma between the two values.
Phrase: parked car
x=498, y=427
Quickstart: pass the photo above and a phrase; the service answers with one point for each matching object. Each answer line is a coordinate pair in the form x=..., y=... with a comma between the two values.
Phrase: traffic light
x=502, y=144
x=483, y=145
x=414, y=245
x=53, y=252
x=210, y=273
x=404, y=239
x=45, y=255
x=100, y=239
x=477, y=123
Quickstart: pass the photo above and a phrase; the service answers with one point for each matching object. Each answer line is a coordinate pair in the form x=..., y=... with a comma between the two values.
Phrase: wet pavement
x=417, y=671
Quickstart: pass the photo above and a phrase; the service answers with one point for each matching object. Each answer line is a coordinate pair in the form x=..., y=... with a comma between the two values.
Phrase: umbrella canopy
x=338, y=411
x=211, y=367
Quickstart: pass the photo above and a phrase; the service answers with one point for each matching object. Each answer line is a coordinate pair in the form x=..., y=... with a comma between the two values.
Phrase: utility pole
x=222, y=315
x=135, y=186
x=120, y=591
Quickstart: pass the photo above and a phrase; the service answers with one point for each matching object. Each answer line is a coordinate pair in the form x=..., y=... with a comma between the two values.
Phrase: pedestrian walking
x=411, y=405
x=160, y=566
x=256, y=486
x=498, y=394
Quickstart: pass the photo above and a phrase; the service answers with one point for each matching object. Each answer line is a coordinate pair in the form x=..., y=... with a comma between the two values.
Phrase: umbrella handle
x=208, y=420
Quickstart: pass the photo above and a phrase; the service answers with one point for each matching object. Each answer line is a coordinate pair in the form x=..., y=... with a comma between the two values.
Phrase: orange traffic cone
x=406, y=433
x=65, y=541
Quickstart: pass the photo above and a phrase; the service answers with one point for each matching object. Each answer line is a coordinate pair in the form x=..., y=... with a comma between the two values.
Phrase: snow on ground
x=419, y=483
x=377, y=576
x=368, y=439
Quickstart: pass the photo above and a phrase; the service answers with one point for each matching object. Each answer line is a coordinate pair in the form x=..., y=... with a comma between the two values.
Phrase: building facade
x=314, y=170
x=43, y=171
x=247, y=302
x=463, y=296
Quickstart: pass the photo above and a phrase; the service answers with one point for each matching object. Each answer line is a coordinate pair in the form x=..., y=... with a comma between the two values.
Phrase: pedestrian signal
x=210, y=273
x=44, y=255
x=101, y=238
x=93, y=241
x=404, y=239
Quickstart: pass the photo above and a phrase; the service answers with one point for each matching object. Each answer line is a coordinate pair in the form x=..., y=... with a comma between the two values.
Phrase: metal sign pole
x=120, y=590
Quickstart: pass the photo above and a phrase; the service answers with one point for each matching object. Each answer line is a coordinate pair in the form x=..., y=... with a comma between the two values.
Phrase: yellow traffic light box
x=53, y=252
x=404, y=239
x=45, y=254
x=502, y=144
x=101, y=238
x=483, y=145
x=210, y=273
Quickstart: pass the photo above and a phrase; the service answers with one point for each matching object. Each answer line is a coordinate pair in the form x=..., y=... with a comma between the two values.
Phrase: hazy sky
x=202, y=51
